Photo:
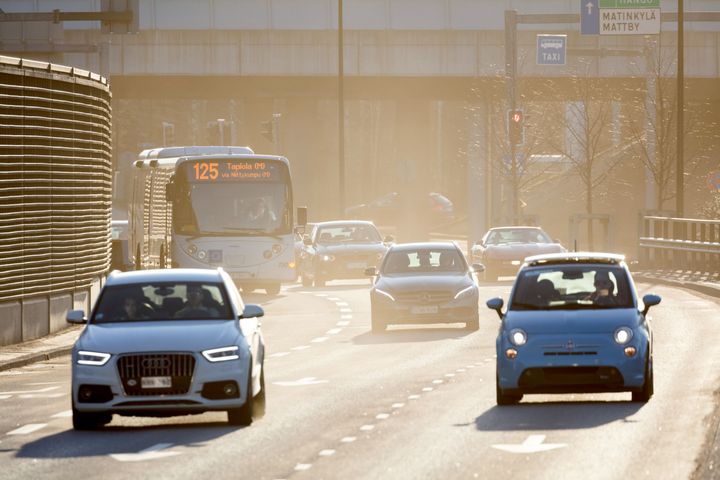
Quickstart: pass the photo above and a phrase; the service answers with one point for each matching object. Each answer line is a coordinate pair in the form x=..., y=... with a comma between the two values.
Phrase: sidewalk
x=45, y=348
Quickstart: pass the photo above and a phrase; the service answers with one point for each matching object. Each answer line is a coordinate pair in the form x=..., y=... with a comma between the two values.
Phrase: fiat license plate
x=156, y=382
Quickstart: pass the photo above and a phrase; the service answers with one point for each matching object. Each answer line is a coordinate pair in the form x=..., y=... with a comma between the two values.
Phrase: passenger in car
x=131, y=310
x=194, y=307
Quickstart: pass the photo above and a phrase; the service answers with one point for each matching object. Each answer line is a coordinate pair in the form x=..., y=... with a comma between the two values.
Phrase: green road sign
x=629, y=3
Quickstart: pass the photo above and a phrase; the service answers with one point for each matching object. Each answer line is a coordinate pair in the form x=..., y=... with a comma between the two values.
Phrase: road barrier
x=680, y=243
x=55, y=194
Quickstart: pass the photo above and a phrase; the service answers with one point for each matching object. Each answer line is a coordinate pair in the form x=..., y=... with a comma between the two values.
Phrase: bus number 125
x=206, y=171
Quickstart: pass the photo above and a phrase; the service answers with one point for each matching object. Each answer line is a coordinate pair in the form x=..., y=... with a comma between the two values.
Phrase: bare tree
x=584, y=126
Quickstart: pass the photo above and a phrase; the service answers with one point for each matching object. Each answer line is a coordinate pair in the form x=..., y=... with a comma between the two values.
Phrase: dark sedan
x=340, y=250
x=421, y=283
x=503, y=249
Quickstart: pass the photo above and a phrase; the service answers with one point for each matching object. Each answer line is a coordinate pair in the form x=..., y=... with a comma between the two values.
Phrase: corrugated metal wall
x=55, y=179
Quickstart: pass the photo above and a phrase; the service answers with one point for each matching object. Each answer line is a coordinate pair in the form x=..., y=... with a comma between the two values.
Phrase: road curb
x=697, y=287
x=35, y=357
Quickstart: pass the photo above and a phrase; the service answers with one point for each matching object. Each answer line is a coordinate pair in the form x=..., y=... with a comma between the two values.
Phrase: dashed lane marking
x=41, y=395
x=26, y=429
x=398, y=405
x=382, y=416
x=326, y=453
x=318, y=339
x=348, y=439
x=367, y=428
x=301, y=347
x=152, y=453
x=333, y=331
x=23, y=392
x=301, y=467
x=279, y=354
x=65, y=414
x=343, y=323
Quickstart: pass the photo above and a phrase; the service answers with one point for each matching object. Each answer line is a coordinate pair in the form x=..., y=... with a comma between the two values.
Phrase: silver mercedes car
x=422, y=283
x=168, y=342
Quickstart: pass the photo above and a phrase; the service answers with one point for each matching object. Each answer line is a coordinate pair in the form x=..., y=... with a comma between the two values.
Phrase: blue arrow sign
x=589, y=17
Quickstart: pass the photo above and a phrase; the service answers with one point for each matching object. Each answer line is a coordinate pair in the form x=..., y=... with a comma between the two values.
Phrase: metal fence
x=55, y=180
x=680, y=243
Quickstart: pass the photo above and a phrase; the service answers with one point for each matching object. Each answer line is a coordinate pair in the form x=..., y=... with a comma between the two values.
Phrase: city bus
x=207, y=207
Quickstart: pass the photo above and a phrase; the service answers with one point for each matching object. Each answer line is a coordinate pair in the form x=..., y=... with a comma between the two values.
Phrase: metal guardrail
x=680, y=243
x=55, y=178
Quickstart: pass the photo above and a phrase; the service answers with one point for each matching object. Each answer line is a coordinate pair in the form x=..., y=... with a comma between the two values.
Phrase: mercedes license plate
x=156, y=382
x=424, y=309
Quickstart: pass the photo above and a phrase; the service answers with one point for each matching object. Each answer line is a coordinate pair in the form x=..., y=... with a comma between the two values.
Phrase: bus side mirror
x=302, y=215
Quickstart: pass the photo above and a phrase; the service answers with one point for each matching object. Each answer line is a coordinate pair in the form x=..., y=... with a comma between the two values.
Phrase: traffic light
x=516, y=126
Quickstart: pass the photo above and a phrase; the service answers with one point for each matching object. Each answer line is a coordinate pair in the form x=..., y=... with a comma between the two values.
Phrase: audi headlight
x=222, y=354
x=97, y=359
x=385, y=294
x=622, y=335
x=518, y=337
x=465, y=292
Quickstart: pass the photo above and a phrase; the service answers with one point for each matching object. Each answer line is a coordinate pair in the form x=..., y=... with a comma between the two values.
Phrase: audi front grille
x=179, y=367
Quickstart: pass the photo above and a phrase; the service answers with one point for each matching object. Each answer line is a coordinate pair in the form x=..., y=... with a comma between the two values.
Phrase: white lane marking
x=5, y=397
x=461, y=370
x=279, y=354
x=44, y=383
x=335, y=299
x=333, y=331
x=326, y=453
x=449, y=375
x=42, y=395
x=469, y=366
x=367, y=428
x=413, y=397
x=427, y=389
x=318, y=340
x=151, y=453
x=29, y=428
x=65, y=414
x=346, y=317
x=301, y=467
x=532, y=444
x=345, y=310
x=321, y=294
x=301, y=347
x=301, y=382
x=382, y=416
x=22, y=392
x=348, y=439
x=398, y=405
x=437, y=382
x=343, y=323
x=342, y=304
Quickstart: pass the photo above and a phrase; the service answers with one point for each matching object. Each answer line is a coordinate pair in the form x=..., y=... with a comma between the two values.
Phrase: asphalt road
x=407, y=404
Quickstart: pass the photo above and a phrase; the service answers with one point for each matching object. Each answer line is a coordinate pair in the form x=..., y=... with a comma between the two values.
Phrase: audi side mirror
x=76, y=317
x=252, y=311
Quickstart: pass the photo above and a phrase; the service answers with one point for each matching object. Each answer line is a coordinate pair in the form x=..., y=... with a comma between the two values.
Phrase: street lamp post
x=680, y=167
x=341, y=114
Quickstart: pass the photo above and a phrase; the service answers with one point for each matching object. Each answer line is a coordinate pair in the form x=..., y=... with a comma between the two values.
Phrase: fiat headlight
x=518, y=337
x=622, y=335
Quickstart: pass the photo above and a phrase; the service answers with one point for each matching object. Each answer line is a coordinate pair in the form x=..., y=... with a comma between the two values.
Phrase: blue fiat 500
x=574, y=324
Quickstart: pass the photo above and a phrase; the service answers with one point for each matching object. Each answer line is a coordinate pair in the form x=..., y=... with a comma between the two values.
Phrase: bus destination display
x=233, y=171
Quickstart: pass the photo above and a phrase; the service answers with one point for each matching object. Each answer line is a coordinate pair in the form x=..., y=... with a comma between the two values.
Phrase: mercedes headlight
x=465, y=292
x=385, y=294
x=97, y=359
x=222, y=354
x=518, y=337
x=622, y=335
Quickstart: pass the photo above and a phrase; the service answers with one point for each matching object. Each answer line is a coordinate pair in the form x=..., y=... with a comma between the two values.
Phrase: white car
x=168, y=342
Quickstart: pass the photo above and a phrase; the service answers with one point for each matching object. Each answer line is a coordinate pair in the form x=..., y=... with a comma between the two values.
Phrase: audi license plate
x=356, y=265
x=424, y=309
x=156, y=382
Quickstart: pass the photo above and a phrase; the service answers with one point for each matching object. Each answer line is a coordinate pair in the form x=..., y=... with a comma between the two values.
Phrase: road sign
x=551, y=49
x=629, y=17
x=589, y=17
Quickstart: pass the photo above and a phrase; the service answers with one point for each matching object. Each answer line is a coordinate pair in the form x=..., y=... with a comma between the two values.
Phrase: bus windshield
x=229, y=208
